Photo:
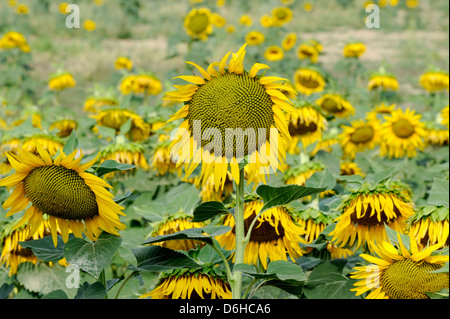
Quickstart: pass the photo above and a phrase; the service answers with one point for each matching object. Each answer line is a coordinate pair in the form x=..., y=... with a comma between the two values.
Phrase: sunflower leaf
x=439, y=193
x=110, y=166
x=71, y=143
x=278, y=196
x=44, y=249
x=208, y=210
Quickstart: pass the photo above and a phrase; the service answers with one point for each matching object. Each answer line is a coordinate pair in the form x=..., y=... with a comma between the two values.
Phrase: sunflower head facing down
x=61, y=190
x=401, y=270
x=230, y=114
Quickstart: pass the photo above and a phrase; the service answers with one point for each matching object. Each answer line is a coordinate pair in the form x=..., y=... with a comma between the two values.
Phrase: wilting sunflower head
x=50, y=143
x=379, y=111
x=60, y=188
x=402, y=134
x=125, y=153
x=198, y=23
x=429, y=225
x=434, y=81
x=350, y=168
x=141, y=84
x=336, y=105
x=191, y=284
x=400, y=270
x=308, y=81
x=274, y=236
x=313, y=221
x=358, y=137
x=366, y=212
x=94, y=103
x=64, y=127
x=230, y=114
x=161, y=160
x=354, y=50
x=60, y=82
x=175, y=223
x=384, y=82
x=436, y=134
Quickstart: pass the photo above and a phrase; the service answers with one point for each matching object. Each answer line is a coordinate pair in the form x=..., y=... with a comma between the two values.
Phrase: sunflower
x=221, y=106
x=402, y=134
x=443, y=116
x=365, y=213
x=358, y=137
x=145, y=84
x=289, y=41
x=401, y=271
x=93, y=103
x=72, y=199
x=12, y=40
x=306, y=124
x=61, y=81
x=313, y=221
x=161, y=160
x=198, y=23
x=266, y=21
x=116, y=117
x=434, y=81
x=13, y=254
x=173, y=224
x=125, y=153
x=436, y=134
x=354, y=50
x=246, y=20
x=350, y=168
x=274, y=236
x=51, y=144
x=308, y=52
x=211, y=192
x=378, y=112
x=89, y=25
x=335, y=104
x=64, y=127
x=429, y=225
x=8, y=145
x=254, y=38
x=326, y=143
x=385, y=82
x=308, y=81
x=273, y=53
x=192, y=284
x=281, y=16
x=123, y=62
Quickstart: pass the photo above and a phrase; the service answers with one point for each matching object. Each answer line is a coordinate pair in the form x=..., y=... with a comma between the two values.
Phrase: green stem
x=225, y=261
x=236, y=284
x=134, y=273
x=102, y=279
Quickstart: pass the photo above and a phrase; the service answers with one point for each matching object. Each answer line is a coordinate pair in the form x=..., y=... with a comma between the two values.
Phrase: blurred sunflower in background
x=365, y=213
x=72, y=199
x=64, y=127
x=306, y=51
x=123, y=62
x=358, y=137
x=402, y=134
x=144, y=84
x=161, y=160
x=400, y=270
x=354, y=50
x=281, y=16
x=308, y=81
x=12, y=39
x=50, y=143
x=131, y=153
x=378, y=112
x=191, y=284
x=230, y=99
x=273, y=53
x=443, y=116
x=436, y=134
x=289, y=41
x=198, y=23
x=94, y=103
x=382, y=81
x=336, y=105
x=274, y=236
x=61, y=81
x=254, y=38
x=434, y=81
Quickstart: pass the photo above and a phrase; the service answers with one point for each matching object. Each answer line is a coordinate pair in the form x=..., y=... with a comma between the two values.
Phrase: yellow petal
x=202, y=71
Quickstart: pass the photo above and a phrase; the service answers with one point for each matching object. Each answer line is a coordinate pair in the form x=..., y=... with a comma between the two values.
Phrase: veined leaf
x=208, y=210
x=204, y=234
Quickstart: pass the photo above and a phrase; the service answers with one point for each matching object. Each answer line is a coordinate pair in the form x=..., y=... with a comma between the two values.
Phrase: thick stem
x=236, y=284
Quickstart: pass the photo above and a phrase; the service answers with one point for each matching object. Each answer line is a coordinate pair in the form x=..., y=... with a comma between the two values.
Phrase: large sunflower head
x=358, y=137
x=365, y=213
x=274, y=236
x=308, y=81
x=402, y=134
x=60, y=188
x=230, y=114
x=191, y=284
x=400, y=270
x=198, y=23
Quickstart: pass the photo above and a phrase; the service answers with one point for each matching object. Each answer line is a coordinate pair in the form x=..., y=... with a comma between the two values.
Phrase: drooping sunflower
x=126, y=153
x=61, y=81
x=354, y=50
x=175, y=223
x=141, y=84
x=241, y=112
x=161, y=160
x=336, y=105
x=386, y=82
x=308, y=81
x=50, y=143
x=365, y=213
x=273, y=53
x=313, y=221
x=401, y=271
x=7, y=145
x=436, y=134
x=429, y=225
x=64, y=127
x=306, y=51
x=198, y=23
x=60, y=188
x=191, y=284
x=358, y=137
x=434, y=81
x=402, y=134
x=211, y=192
x=274, y=236
x=350, y=168
x=94, y=103
x=306, y=124
x=13, y=254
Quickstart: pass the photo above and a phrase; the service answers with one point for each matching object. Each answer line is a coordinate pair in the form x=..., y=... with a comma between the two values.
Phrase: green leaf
x=91, y=291
x=352, y=181
x=92, y=257
x=71, y=143
x=44, y=249
x=321, y=179
x=326, y=282
x=286, y=270
x=278, y=196
x=208, y=210
x=120, y=199
x=110, y=166
x=392, y=236
x=56, y=294
x=204, y=234
x=156, y=258
x=125, y=128
x=439, y=193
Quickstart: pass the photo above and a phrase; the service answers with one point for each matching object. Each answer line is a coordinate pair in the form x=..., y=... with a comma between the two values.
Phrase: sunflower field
x=224, y=149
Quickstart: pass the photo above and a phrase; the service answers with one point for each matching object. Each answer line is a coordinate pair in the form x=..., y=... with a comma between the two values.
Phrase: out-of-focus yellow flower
x=412, y=4
x=308, y=6
x=274, y=53
x=281, y=16
x=89, y=25
x=198, y=23
x=22, y=9
x=61, y=82
x=289, y=41
x=141, y=84
x=123, y=63
x=254, y=38
x=218, y=20
x=62, y=8
x=306, y=51
x=434, y=81
x=266, y=21
x=13, y=39
x=246, y=20
x=230, y=28
x=354, y=50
